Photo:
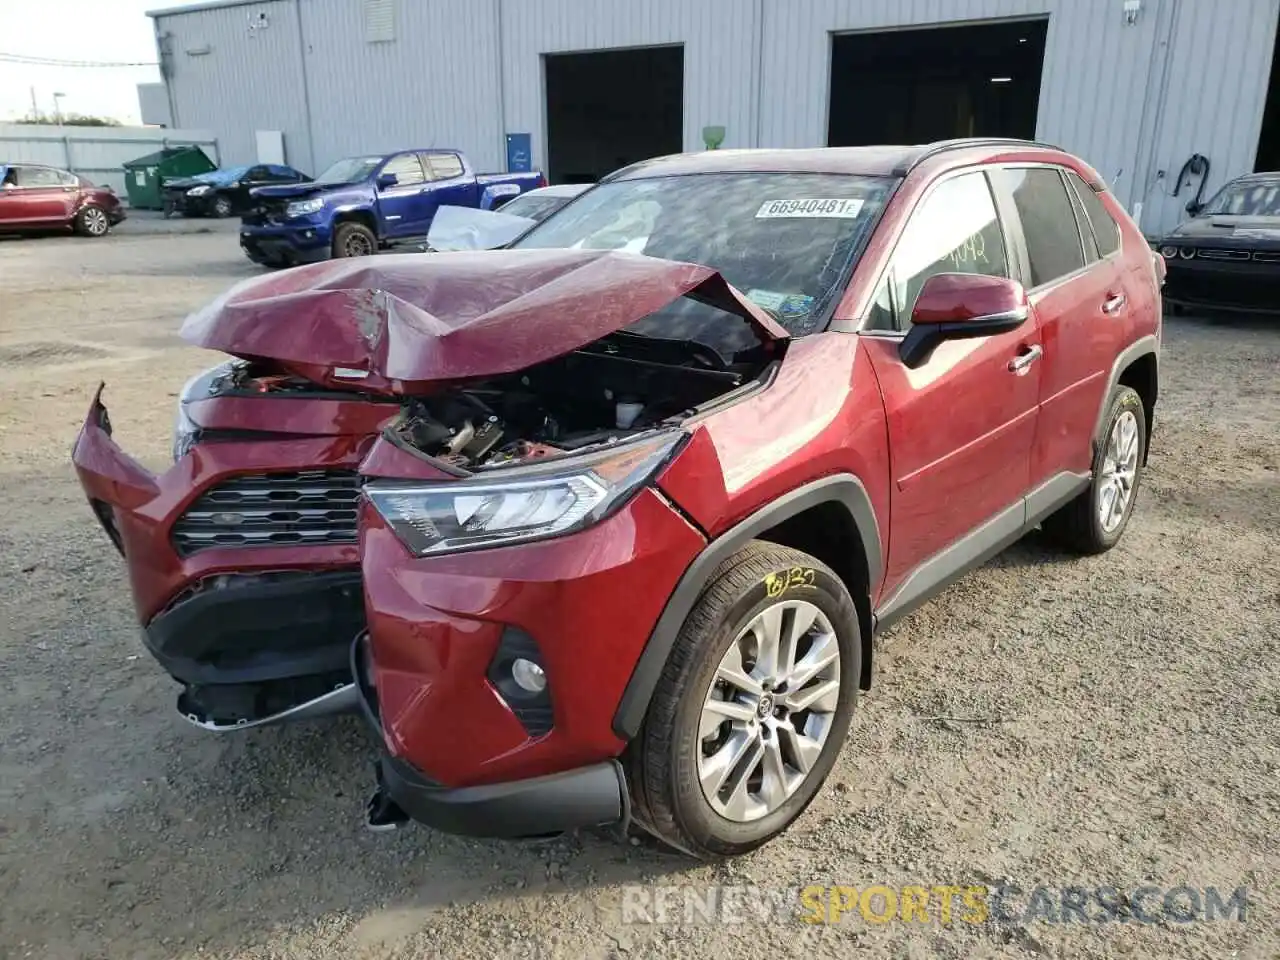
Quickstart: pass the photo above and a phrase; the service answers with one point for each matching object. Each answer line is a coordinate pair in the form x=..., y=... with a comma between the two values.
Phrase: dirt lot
x=1131, y=706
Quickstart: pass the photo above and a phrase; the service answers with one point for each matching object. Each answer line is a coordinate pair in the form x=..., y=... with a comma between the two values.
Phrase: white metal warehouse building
x=1136, y=87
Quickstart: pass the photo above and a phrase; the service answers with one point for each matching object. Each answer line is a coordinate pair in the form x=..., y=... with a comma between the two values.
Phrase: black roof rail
x=960, y=143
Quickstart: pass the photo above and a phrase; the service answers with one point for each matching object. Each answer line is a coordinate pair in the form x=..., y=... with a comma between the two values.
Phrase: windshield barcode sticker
x=817, y=208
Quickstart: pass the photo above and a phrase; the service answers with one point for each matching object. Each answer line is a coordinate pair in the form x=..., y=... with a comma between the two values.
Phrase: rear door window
x=1054, y=246
x=444, y=166
x=1106, y=232
x=407, y=168
x=39, y=177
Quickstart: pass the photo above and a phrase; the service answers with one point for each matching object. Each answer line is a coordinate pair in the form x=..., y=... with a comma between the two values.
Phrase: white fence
x=96, y=153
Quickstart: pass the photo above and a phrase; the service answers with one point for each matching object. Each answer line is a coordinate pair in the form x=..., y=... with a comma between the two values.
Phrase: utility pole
x=35, y=105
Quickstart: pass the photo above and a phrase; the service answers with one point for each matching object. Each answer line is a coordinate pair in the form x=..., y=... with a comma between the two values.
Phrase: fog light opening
x=528, y=675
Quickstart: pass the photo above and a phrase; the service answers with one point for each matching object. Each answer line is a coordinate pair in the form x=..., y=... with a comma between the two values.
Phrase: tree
x=69, y=120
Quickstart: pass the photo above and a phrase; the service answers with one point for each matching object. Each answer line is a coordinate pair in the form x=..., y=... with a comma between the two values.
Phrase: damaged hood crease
x=397, y=323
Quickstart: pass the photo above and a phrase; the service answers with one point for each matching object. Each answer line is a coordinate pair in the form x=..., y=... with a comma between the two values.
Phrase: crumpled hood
x=399, y=323
x=282, y=191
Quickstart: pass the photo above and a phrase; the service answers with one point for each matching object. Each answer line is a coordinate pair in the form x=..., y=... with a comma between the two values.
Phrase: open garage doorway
x=609, y=108
x=918, y=85
x=1268, y=156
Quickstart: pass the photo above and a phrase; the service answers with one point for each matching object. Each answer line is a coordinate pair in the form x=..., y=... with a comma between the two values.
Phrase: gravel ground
x=1117, y=716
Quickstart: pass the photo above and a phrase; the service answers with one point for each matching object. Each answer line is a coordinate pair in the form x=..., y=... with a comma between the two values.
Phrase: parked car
x=605, y=534
x=1227, y=256
x=35, y=197
x=539, y=204
x=224, y=193
x=365, y=204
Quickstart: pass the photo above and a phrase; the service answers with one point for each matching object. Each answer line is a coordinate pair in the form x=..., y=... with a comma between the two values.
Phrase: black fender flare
x=1143, y=346
x=844, y=489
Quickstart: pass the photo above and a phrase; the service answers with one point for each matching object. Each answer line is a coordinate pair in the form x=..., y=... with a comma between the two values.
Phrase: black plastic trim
x=979, y=545
x=279, y=626
x=844, y=489
x=585, y=797
x=1150, y=344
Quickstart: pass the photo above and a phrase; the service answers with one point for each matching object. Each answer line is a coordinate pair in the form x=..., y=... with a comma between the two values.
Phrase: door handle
x=1112, y=304
x=1023, y=361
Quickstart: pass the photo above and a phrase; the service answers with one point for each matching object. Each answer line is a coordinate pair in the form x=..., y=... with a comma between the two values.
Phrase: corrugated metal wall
x=1132, y=99
x=234, y=72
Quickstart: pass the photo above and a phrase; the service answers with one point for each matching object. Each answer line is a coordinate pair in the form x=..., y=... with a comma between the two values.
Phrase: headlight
x=1168, y=252
x=186, y=432
x=518, y=504
x=198, y=191
x=303, y=207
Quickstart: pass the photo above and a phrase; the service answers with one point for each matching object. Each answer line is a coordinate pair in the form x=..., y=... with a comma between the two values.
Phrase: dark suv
x=601, y=526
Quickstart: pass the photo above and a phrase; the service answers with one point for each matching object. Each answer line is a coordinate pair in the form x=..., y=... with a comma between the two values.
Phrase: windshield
x=786, y=240
x=350, y=170
x=1257, y=198
x=222, y=176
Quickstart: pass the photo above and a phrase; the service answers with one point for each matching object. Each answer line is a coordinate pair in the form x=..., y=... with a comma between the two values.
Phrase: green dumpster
x=143, y=176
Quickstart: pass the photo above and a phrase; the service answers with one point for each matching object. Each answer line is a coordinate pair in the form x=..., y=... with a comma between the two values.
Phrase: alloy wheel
x=1119, y=470
x=358, y=245
x=95, y=222
x=769, y=710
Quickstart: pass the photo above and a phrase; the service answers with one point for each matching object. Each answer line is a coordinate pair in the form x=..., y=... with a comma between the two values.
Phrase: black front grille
x=264, y=212
x=272, y=509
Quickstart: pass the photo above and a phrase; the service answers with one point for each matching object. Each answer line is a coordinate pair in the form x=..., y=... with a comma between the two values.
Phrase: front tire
x=354, y=240
x=221, y=207
x=92, y=221
x=1094, y=521
x=754, y=703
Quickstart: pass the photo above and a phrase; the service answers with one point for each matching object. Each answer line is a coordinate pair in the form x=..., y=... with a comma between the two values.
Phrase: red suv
x=600, y=527
x=35, y=197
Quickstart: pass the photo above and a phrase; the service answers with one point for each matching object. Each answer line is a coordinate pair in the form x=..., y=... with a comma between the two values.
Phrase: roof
x=876, y=161
x=205, y=5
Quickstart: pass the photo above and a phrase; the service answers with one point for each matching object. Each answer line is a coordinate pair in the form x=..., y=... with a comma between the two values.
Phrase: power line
x=54, y=62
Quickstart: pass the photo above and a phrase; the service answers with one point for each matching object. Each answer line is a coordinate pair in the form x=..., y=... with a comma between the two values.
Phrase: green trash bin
x=143, y=177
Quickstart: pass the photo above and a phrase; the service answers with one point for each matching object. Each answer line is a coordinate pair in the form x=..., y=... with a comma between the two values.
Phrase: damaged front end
x=472, y=400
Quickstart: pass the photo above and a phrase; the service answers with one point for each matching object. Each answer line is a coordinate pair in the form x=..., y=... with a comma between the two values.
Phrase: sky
x=99, y=30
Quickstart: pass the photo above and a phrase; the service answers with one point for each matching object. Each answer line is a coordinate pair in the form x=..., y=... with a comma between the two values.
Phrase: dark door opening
x=920, y=85
x=611, y=108
x=1268, y=157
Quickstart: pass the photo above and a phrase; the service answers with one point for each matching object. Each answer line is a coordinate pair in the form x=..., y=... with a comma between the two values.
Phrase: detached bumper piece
x=521, y=809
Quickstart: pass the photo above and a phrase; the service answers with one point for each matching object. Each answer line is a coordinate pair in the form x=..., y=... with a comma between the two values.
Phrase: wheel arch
x=832, y=519
x=361, y=216
x=1138, y=367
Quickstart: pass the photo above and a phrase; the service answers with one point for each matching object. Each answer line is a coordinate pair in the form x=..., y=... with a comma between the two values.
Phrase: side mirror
x=387, y=180
x=961, y=306
x=1194, y=208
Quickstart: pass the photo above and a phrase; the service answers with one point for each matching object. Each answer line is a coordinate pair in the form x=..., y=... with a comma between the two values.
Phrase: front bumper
x=1245, y=286
x=587, y=796
x=304, y=243
x=255, y=634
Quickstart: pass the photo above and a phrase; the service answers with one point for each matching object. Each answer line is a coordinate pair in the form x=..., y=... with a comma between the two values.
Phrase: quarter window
x=955, y=230
x=1105, y=230
x=407, y=169
x=1048, y=221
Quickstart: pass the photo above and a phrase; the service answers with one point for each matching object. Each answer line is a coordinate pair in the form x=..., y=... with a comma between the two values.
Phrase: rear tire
x=685, y=749
x=354, y=240
x=1094, y=521
x=92, y=221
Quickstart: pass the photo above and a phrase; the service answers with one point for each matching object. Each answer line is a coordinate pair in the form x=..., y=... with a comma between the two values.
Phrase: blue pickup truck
x=365, y=204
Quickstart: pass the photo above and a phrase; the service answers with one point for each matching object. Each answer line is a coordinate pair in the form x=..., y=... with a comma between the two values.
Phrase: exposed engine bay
x=617, y=387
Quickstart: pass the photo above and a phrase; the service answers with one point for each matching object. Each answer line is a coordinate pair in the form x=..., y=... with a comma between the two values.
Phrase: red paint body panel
x=435, y=623
x=822, y=415
x=410, y=323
